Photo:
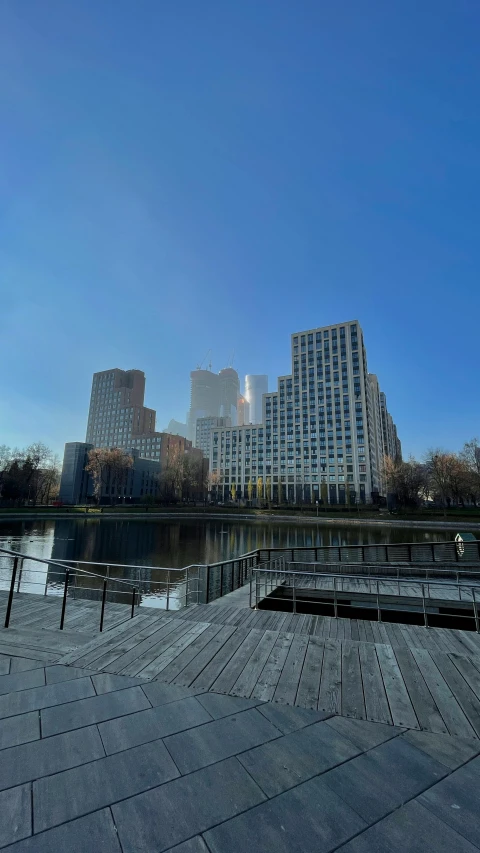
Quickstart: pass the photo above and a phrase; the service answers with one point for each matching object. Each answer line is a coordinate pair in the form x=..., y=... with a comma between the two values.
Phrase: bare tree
x=470, y=455
x=109, y=469
x=441, y=467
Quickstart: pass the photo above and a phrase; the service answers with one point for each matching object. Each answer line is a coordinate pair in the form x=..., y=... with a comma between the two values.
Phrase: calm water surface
x=174, y=543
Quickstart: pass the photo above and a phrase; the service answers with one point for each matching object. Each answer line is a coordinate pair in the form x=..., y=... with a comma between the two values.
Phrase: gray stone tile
x=221, y=739
x=4, y=664
x=308, y=819
x=411, y=829
x=296, y=757
x=195, y=845
x=289, y=719
x=85, y=712
x=17, y=730
x=175, y=812
x=44, y=697
x=381, y=780
x=219, y=705
x=363, y=733
x=23, y=664
x=105, y=682
x=149, y=725
x=456, y=801
x=15, y=814
x=162, y=694
x=451, y=751
x=76, y=792
x=22, y=681
x=42, y=757
x=57, y=673
x=95, y=833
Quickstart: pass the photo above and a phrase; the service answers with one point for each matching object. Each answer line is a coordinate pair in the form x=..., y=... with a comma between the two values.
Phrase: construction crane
x=209, y=365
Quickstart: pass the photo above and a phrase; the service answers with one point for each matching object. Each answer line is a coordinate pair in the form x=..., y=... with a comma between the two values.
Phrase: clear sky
x=179, y=176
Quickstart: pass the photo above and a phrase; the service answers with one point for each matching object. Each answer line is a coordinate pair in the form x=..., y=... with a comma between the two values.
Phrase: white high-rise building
x=255, y=387
x=321, y=431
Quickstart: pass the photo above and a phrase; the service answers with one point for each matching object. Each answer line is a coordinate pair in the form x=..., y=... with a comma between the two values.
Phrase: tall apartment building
x=320, y=436
x=212, y=395
x=203, y=432
x=391, y=443
x=255, y=387
x=243, y=411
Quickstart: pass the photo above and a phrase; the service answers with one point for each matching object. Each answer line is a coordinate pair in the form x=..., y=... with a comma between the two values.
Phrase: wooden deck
x=401, y=675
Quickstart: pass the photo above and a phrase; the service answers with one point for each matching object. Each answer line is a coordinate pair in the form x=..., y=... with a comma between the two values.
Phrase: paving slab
x=15, y=814
x=194, y=845
x=95, y=833
x=21, y=729
x=73, y=793
x=166, y=816
x=296, y=757
x=105, y=682
x=448, y=750
x=57, y=673
x=308, y=819
x=383, y=779
x=218, y=705
x=289, y=719
x=95, y=709
x=411, y=829
x=23, y=664
x=363, y=733
x=161, y=694
x=220, y=739
x=44, y=697
x=30, y=761
x=126, y=732
x=456, y=801
x=22, y=681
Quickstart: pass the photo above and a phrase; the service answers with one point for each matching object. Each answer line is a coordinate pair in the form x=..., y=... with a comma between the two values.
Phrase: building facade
x=212, y=395
x=256, y=385
x=203, y=432
x=77, y=487
x=116, y=410
x=243, y=411
x=320, y=437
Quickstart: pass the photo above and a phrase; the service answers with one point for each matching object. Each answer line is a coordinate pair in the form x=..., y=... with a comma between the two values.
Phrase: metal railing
x=427, y=571
x=271, y=579
x=397, y=552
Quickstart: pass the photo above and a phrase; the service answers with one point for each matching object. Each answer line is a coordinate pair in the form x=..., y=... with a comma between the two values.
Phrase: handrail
x=62, y=565
x=381, y=578
x=464, y=569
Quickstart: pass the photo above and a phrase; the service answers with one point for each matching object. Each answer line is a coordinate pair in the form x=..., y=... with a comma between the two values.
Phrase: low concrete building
x=140, y=482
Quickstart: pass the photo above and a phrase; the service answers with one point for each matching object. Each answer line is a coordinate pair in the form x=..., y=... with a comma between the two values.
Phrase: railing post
x=250, y=591
x=10, y=594
x=168, y=590
x=294, y=594
x=64, y=602
x=424, y=606
x=335, y=605
x=104, y=596
x=20, y=574
x=207, y=583
x=379, y=612
x=475, y=610
x=256, y=590
x=132, y=614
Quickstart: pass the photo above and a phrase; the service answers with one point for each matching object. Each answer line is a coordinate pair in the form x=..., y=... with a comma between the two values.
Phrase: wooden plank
x=193, y=669
x=286, y=689
x=25, y=652
x=107, y=654
x=469, y=671
x=361, y=630
x=369, y=632
x=427, y=713
x=135, y=625
x=401, y=708
x=218, y=663
x=355, y=635
x=268, y=680
x=353, y=703
x=330, y=693
x=176, y=666
x=237, y=663
x=120, y=642
x=309, y=684
x=156, y=646
x=465, y=697
x=248, y=678
x=347, y=629
x=158, y=664
x=376, y=703
x=453, y=716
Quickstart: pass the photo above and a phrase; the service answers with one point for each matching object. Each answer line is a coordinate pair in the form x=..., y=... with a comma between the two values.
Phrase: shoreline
x=321, y=521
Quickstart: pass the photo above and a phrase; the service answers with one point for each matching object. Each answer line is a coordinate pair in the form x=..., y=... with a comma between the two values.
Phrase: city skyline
x=248, y=170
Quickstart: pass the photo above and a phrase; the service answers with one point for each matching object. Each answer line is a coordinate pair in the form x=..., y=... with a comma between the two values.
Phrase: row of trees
x=28, y=475
x=183, y=477
x=443, y=477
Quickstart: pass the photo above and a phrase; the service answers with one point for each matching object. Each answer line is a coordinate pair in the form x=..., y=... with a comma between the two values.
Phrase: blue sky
x=182, y=176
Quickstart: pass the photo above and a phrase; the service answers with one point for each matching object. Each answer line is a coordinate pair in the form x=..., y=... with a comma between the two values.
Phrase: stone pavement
x=102, y=762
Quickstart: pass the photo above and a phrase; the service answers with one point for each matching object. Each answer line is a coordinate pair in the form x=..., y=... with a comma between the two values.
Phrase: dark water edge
x=175, y=543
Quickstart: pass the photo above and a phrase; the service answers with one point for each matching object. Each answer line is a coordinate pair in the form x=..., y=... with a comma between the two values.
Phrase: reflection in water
x=173, y=543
